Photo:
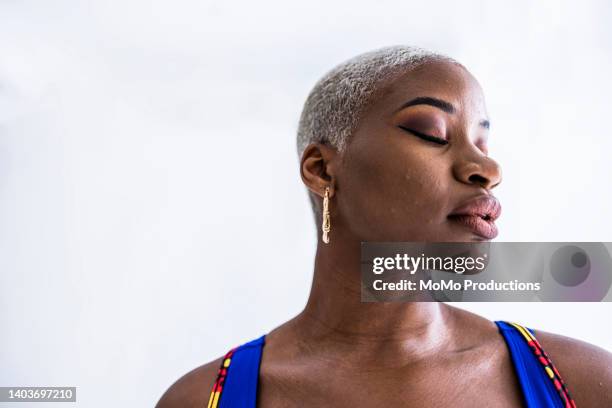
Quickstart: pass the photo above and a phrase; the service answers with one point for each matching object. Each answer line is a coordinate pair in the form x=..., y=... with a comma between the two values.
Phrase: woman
x=392, y=143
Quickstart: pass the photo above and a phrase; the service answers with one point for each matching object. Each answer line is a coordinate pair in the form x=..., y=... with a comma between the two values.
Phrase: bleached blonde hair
x=334, y=106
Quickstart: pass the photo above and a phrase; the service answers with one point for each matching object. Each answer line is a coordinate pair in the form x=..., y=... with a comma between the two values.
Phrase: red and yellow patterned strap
x=215, y=394
x=546, y=362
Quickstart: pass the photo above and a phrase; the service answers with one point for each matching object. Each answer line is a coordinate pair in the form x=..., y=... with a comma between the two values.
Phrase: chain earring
x=326, y=225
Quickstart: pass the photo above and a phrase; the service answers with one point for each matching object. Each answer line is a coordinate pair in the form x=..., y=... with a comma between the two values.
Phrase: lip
x=478, y=214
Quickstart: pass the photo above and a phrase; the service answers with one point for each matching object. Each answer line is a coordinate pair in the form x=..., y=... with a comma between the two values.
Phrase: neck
x=335, y=315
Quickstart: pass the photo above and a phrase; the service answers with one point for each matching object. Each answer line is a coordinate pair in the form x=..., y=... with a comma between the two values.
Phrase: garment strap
x=238, y=390
x=539, y=379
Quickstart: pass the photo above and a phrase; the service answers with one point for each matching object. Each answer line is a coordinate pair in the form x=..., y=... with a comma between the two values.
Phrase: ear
x=318, y=168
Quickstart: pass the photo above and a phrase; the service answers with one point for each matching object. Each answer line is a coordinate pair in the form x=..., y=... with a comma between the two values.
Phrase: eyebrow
x=440, y=104
x=427, y=100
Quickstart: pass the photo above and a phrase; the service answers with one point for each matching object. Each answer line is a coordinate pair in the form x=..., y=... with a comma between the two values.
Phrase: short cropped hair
x=334, y=106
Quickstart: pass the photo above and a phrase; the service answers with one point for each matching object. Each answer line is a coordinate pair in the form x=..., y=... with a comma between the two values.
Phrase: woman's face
x=420, y=154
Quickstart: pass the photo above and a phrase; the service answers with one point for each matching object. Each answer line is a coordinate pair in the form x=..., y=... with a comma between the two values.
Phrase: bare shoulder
x=192, y=389
x=585, y=368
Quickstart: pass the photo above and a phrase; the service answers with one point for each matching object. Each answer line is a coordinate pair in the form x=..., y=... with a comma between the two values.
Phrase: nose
x=478, y=169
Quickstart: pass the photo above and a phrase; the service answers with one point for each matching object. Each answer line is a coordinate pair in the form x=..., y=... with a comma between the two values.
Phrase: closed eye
x=424, y=136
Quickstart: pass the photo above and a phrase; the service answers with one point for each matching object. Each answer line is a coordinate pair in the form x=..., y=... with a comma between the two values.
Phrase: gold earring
x=326, y=225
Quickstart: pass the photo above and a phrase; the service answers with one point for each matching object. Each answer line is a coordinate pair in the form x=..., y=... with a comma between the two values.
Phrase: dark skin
x=395, y=183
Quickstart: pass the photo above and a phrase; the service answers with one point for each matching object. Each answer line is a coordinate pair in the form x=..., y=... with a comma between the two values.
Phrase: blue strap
x=538, y=390
x=240, y=388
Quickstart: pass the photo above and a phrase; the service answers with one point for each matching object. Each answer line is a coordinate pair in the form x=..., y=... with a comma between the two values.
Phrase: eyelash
x=425, y=137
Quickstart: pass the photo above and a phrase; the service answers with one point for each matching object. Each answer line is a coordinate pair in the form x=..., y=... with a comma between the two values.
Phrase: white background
x=151, y=210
